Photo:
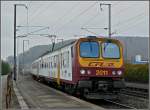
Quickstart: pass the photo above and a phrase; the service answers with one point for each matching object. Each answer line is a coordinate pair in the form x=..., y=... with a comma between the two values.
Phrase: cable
x=130, y=26
x=42, y=11
x=35, y=11
x=126, y=25
x=64, y=15
x=123, y=10
x=93, y=17
x=80, y=14
x=130, y=19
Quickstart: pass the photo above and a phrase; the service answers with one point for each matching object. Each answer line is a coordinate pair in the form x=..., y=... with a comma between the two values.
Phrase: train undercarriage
x=94, y=88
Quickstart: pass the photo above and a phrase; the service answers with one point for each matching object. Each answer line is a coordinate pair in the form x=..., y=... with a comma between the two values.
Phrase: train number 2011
x=101, y=72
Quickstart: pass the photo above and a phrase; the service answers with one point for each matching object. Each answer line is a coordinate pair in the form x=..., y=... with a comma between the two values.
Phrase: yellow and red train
x=92, y=67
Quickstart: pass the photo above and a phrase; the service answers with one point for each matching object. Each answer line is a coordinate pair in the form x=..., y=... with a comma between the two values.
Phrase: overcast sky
x=66, y=18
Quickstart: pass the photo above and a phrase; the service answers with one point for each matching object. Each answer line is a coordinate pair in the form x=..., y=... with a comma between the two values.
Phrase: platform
x=39, y=96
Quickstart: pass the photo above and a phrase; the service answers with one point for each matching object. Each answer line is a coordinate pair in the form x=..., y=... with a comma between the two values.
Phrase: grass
x=5, y=68
x=137, y=73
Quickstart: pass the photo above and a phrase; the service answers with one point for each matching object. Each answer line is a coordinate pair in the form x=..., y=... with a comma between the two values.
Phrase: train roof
x=59, y=45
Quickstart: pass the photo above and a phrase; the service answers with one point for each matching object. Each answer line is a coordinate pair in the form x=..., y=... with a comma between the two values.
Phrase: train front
x=100, y=67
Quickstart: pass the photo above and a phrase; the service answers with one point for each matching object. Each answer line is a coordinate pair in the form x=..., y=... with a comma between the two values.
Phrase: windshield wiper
x=107, y=42
x=90, y=45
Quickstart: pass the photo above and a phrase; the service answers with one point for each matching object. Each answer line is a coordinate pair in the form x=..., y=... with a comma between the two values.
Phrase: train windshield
x=89, y=49
x=110, y=50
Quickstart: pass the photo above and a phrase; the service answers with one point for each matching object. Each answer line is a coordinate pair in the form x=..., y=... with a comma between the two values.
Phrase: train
x=91, y=67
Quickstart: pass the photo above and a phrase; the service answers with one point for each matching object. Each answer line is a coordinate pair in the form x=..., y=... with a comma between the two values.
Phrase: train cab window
x=89, y=49
x=110, y=50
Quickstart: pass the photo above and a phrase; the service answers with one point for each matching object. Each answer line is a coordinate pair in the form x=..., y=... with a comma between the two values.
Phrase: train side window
x=56, y=60
x=53, y=62
x=72, y=51
x=61, y=60
x=45, y=64
x=67, y=59
x=42, y=65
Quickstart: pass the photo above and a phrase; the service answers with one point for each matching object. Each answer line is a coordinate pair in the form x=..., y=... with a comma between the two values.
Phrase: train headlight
x=88, y=72
x=82, y=72
x=119, y=72
x=113, y=73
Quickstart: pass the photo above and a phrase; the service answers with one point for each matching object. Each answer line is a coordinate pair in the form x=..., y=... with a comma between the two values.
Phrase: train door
x=58, y=69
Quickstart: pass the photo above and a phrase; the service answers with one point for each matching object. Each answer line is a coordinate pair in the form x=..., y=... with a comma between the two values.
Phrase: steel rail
x=123, y=105
x=135, y=93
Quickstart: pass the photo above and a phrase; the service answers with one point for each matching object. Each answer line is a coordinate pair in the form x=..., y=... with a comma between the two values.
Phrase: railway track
x=110, y=104
x=137, y=93
x=105, y=103
x=120, y=105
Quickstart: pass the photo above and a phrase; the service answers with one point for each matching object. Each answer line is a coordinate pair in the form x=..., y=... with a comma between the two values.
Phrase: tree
x=5, y=68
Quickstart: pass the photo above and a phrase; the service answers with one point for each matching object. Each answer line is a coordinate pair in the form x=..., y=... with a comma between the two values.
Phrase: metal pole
x=109, y=19
x=23, y=54
x=109, y=5
x=23, y=57
x=17, y=58
x=15, y=42
x=15, y=5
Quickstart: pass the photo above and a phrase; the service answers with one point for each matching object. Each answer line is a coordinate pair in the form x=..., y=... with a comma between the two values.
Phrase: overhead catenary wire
x=34, y=11
x=129, y=19
x=42, y=11
x=124, y=26
x=94, y=17
x=130, y=26
x=25, y=35
x=119, y=24
x=119, y=12
x=80, y=14
x=65, y=14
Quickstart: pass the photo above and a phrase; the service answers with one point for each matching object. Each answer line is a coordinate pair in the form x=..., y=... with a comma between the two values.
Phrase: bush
x=137, y=73
x=5, y=68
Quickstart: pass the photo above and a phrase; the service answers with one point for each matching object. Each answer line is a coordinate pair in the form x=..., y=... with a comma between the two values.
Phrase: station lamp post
x=15, y=6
